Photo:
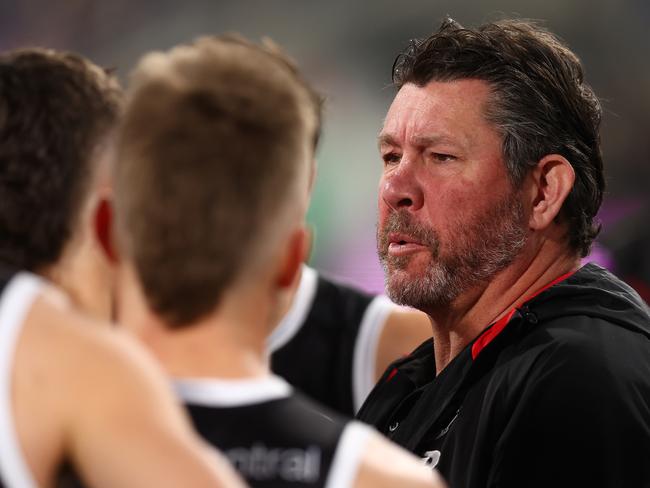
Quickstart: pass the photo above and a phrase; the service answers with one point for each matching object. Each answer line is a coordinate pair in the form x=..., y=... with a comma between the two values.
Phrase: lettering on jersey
x=431, y=458
x=262, y=463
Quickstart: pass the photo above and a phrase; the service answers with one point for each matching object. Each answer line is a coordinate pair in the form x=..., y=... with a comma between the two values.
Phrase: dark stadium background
x=346, y=49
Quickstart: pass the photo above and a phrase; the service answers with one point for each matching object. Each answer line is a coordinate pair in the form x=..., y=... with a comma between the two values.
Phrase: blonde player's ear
x=292, y=259
x=103, y=221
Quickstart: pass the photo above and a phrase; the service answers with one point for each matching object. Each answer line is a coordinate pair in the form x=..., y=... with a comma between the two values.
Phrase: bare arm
x=386, y=465
x=85, y=393
x=131, y=431
x=403, y=331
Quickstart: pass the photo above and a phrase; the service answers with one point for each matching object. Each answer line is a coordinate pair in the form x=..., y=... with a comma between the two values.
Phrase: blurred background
x=346, y=49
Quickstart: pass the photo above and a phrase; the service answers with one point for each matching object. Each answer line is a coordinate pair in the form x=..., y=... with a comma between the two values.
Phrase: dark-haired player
x=72, y=393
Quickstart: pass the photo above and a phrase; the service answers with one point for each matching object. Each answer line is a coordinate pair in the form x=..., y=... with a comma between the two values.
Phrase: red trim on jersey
x=489, y=335
x=391, y=375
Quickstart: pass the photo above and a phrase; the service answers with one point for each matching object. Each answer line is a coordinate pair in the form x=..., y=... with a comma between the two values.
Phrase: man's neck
x=457, y=325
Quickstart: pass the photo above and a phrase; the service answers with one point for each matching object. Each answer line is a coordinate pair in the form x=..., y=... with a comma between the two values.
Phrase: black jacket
x=559, y=397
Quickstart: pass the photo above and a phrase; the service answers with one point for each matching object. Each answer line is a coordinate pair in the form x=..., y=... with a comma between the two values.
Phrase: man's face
x=449, y=218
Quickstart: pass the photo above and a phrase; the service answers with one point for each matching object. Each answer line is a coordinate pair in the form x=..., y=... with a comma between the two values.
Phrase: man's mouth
x=402, y=244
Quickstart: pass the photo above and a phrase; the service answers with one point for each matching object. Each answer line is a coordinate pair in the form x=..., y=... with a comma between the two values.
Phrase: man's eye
x=443, y=158
x=391, y=158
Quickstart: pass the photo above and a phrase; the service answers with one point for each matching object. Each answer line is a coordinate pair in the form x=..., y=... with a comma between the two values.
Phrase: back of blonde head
x=216, y=144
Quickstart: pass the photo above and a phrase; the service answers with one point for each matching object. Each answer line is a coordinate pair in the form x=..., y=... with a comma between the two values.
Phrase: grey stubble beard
x=482, y=247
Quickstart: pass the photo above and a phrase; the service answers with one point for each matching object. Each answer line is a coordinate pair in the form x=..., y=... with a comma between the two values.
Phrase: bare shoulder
x=68, y=370
x=104, y=404
x=404, y=469
x=409, y=318
x=74, y=367
x=404, y=330
x=78, y=353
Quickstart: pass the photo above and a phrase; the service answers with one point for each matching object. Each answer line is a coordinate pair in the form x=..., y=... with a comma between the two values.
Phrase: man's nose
x=401, y=189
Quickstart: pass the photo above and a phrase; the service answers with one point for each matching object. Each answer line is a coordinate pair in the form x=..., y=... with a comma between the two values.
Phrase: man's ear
x=104, y=228
x=552, y=179
x=292, y=259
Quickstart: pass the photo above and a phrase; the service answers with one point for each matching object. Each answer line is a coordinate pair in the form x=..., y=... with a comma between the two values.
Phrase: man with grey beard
x=538, y=373
x=480, y=251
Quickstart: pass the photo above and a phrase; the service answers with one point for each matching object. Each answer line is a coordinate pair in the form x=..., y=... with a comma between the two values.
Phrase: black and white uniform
x=326, y=345
x=17, y=294
x=273, y=436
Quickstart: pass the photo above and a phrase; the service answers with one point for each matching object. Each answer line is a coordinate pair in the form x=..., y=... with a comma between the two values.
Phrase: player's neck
x=229, y=342
x=455, y=326
x=85, y=275
x=208, y=349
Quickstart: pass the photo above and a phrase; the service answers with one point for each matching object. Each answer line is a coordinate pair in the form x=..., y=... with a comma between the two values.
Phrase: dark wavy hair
x=55, y=107
x=539, y=103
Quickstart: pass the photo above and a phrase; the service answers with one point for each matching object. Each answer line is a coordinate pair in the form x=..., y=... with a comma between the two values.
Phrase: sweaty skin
x=87, y=394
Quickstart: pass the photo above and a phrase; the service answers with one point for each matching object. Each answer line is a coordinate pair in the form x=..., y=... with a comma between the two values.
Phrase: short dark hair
x=211, y=145
x=539, y=103
x=55, y=107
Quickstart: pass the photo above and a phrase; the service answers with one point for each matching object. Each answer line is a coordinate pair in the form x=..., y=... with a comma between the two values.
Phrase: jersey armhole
x=295, y=317
x=365, y=348
x=17, y=299
x=348, y=454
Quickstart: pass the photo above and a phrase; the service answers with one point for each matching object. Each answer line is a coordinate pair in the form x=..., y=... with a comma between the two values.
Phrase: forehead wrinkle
x=431, y=140
x=426, y=116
